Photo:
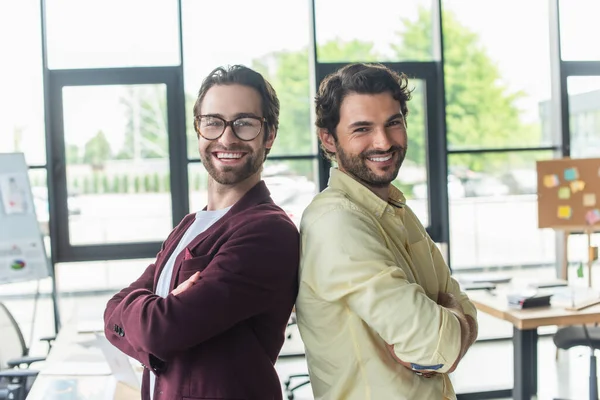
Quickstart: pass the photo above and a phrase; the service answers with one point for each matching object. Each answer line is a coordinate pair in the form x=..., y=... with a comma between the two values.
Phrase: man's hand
x=447, y=300
x=183, y=286
x=425, y=373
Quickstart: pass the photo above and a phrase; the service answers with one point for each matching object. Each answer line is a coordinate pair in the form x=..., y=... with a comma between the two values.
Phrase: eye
x=243, y=122
x=363, y=129
x=211, y=122
x=395, y=122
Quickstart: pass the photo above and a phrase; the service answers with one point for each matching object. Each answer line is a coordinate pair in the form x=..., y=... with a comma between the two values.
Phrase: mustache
x=372, y=153
x=232, y=148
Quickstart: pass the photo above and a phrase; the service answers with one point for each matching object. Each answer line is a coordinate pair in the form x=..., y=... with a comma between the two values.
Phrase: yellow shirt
x=370, y=275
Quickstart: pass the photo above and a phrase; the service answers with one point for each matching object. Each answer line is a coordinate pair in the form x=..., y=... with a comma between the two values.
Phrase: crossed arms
x=256, y=264
x=355, y=267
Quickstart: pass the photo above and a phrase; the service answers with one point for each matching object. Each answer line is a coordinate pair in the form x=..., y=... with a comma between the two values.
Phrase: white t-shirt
x=203, y=221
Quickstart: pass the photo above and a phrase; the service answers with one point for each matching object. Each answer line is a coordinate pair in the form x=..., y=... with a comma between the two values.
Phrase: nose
x=381, y=139
x=228, y=136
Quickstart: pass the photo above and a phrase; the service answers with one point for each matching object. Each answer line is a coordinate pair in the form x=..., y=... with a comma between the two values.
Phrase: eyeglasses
x=211, y=127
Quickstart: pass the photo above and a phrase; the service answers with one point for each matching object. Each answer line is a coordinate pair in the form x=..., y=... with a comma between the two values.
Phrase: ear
x=270, y=138
x=327, y=139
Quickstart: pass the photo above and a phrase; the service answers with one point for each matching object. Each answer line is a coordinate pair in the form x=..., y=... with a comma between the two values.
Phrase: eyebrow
x=357, y=124
x=236, y=116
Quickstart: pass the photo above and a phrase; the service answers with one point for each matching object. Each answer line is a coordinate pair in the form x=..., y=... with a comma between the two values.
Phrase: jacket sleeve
x=354, y=267
x=250, y=271
x=113, y=324
x=113, y=328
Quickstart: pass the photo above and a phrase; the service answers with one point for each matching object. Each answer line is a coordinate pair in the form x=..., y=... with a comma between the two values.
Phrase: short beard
x=231, y=175
x=356, y=166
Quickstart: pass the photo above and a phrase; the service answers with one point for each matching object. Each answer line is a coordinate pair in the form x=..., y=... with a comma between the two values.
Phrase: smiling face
x=229, y=160
x=371, y=139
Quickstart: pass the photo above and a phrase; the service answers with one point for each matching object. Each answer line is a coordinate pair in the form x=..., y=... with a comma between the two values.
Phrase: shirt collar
x=364, y=196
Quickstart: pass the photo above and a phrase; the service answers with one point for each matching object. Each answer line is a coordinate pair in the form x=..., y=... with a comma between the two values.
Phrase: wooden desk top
x=497, y=306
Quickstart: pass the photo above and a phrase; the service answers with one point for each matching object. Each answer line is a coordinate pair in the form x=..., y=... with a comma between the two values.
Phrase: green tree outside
x=97, y=150
x=72, y=154
x=480, y=110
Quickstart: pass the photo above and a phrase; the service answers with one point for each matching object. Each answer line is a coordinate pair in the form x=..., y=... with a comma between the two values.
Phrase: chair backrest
x=12, y=344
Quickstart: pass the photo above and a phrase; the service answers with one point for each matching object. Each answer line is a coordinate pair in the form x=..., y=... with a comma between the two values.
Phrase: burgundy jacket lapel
x=257, y=195
x=164, y=255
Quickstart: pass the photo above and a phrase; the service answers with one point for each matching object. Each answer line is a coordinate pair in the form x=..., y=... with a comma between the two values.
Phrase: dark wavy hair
x=242, y=75
x=356, y=78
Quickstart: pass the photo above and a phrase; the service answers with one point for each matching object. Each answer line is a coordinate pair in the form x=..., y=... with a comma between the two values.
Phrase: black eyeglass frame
x=227, y=123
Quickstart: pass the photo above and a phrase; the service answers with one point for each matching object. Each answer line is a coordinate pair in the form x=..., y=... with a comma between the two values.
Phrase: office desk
x=73, y=371
x=525, y=324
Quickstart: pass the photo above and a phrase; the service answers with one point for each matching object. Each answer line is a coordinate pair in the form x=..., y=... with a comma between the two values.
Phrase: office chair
x=15, y=376
x=589, y=336
x=289, y=389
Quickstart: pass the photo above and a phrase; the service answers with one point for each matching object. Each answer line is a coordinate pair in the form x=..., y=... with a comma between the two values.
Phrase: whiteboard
x=22, y=252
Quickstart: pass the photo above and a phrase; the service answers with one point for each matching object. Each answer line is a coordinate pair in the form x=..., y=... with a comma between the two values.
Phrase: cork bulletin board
x=569, y=193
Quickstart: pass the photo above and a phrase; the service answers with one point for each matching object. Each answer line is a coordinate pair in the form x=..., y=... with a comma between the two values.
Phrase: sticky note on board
x=589, y=199
x=564, y=212
x=551, y=181
x=580, y=270
x=571, y=174
x=592, y=216
x=564, y=193
x=577, y=186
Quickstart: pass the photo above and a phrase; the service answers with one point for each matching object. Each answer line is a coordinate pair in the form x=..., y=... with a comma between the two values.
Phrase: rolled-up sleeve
x=355, y=267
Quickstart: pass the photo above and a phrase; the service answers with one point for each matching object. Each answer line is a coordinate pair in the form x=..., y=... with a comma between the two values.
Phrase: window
x=22, y=96
x=117, y=157
x=384, y=30
x=495, y=224
x=496, y=78
x=579, y=30
x=584, y=115
x=86, y=287
x=102, y=34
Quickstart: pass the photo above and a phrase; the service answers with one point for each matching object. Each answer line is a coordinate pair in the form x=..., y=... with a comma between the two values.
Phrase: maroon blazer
x=220, y=338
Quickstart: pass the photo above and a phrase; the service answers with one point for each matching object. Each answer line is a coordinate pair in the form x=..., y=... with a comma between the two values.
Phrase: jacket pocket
x=191, y=266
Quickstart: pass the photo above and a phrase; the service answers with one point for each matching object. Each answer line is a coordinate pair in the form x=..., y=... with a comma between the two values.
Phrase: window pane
x=117, y=157
x=496, y=78
x=84, y=288
x=584, y=115
x=94, y=34
x=292, y=184
x=579, y=29
x=383, y=31
x=198, y=186
x=496, y=223
x=412, y=179
x=22, y=97
x=281, y=58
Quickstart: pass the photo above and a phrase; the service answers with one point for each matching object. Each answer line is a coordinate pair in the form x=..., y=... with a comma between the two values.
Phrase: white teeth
x=380, y=159
x=229, y=155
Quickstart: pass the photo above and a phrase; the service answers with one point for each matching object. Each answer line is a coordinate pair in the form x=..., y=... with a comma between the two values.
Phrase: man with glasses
x=207, y=318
